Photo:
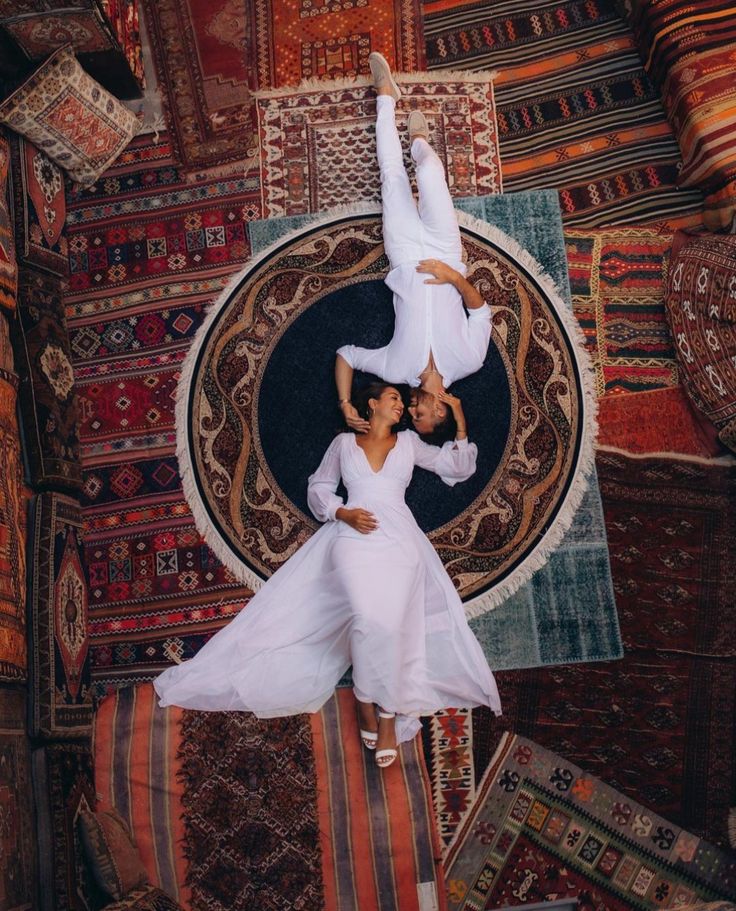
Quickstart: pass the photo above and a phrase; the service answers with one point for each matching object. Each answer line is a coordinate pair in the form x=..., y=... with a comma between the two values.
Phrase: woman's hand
x=359, y=519
x=353, y=419
x=443, y=274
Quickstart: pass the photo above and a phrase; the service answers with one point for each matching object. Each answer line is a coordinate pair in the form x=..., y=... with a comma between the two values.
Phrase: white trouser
x=412, y=232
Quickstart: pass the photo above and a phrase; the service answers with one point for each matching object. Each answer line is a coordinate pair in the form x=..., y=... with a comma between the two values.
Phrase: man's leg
x=435, y=203
x=401, y=223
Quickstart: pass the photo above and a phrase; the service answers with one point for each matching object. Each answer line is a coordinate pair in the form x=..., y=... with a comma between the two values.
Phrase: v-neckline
x=367, y=461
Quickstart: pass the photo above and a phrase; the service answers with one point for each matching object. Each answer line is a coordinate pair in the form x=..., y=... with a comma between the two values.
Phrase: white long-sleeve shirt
x=428, y=318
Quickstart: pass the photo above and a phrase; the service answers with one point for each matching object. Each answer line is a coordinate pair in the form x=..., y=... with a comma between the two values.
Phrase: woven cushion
x=690, y=51
x=111, y=853
x=701, y=309
x=68, y=115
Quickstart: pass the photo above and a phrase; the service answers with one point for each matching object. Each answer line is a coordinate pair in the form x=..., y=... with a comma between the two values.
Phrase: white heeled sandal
x=368, y=738
x=384, y=758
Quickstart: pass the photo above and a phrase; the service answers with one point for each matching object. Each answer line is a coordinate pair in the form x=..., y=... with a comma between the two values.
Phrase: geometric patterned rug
x=543, y=829
x=291, y=41
x=318, y=145
x=576, y=110
x=617, y=279
x=148, y=252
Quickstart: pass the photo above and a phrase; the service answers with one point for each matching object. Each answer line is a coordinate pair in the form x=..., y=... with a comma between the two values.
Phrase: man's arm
x=446, y=275
x=344, y=383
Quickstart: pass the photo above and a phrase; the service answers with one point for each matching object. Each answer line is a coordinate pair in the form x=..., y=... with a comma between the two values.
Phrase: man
x=434, y=341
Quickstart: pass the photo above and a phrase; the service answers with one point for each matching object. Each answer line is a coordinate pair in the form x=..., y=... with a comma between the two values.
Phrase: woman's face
x=388, y=406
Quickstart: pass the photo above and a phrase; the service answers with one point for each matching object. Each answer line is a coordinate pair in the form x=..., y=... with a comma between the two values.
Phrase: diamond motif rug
x=576, y=110
x=494, y=557
x=148, y=253
x=656, y=725
x=544, y=829
x=318, y=147
x=316, y=39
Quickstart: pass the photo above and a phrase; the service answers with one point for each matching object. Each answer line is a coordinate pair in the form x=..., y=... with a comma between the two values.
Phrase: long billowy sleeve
x=321, y=496
x=453, y=462
x=479, y=330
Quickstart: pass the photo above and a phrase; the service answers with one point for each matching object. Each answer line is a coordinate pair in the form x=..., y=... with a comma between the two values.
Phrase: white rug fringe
x=566, y=512
x=314, y=84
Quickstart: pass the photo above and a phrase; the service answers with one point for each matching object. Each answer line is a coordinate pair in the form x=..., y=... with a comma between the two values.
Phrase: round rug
x=256, y=406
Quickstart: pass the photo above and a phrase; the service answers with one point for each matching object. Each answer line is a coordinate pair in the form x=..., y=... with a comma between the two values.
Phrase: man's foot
x=386, y=752
x=383, y=81
x=418, y=126
x=368, y=724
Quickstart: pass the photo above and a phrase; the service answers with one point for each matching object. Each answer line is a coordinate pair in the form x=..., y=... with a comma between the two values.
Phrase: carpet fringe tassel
x=581, y=473
x=350, y=82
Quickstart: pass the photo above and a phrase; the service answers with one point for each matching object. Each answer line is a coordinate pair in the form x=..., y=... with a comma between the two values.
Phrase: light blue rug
x=566, y=613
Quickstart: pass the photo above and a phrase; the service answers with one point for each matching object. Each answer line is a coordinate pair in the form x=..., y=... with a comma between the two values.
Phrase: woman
x=368, y=589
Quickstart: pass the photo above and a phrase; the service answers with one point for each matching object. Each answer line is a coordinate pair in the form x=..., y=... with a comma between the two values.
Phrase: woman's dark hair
x=374, y=391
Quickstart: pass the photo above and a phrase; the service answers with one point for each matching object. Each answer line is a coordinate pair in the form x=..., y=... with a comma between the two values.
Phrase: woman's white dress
x=382, y=602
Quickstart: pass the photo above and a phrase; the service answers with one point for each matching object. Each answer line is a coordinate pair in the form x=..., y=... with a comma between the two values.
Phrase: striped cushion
x=690, y=51
x=110, y=851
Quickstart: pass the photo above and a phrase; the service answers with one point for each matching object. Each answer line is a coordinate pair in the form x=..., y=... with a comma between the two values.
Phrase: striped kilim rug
x=617, y=280
x=229, y=812
x=576, y=110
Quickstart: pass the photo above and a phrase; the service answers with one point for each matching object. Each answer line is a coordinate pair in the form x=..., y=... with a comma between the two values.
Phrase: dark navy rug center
x=298, y=415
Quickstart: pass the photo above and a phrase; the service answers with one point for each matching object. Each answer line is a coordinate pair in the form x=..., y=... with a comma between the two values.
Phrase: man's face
x=422, y=413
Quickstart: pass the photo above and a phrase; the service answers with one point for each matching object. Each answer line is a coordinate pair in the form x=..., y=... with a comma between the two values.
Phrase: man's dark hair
x=444, y=430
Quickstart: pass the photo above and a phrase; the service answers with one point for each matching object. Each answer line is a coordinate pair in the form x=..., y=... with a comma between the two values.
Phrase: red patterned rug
x=617, y=283
x=576, y=109
x=318, y=146
x=324, y=39
x=657, y=725
x=201, y=51
x=662, y=420
x=544, y=829
x=148, y=253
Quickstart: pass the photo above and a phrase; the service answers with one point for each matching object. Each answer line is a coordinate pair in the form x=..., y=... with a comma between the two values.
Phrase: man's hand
x=456, y=406
x=359, y=519
x=353, y=419
x=443, y=274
